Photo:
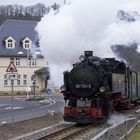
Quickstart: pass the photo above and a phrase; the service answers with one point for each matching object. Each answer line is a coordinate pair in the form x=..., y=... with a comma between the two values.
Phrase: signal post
x=11, y=73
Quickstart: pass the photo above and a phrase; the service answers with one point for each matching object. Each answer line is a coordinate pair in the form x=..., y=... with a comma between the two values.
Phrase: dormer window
x=10, y=42
x=26, y=43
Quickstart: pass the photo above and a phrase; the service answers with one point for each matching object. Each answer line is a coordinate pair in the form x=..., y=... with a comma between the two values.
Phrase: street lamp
x=34, y=52
x=33, y=82
x=27, y=87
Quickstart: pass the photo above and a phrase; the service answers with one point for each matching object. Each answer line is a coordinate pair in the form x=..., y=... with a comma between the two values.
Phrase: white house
x=17, y=37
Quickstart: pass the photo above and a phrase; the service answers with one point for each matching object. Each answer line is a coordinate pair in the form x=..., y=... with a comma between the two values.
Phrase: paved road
x=28, y=109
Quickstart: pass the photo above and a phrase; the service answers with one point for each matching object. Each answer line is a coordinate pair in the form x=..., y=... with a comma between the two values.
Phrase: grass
x=135, y=134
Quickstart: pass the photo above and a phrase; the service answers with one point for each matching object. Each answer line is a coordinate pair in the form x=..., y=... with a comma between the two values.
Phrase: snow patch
x=117, y=118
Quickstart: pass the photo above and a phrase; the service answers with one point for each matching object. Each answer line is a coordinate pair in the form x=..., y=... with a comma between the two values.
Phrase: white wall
x=23, y=69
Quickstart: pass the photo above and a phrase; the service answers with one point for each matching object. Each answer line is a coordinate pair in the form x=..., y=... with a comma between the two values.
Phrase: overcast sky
x=29, y=2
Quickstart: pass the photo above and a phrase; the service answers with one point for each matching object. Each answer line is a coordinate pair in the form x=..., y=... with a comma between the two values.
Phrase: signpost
x=11, y=69
x=11, y=76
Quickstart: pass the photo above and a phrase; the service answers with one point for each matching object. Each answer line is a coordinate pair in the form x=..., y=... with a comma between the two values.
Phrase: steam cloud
x=85, y=25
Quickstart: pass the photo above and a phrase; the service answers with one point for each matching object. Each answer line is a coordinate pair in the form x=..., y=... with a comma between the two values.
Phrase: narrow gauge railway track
x=76, y=132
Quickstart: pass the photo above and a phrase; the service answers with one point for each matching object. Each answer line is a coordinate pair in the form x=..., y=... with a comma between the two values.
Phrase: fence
x=118, y=131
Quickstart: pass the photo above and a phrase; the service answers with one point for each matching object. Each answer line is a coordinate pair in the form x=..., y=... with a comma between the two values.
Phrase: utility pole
x=64, y=1
x=27, y=87
x=10, y=70
x=33, y=82
x=12, y=98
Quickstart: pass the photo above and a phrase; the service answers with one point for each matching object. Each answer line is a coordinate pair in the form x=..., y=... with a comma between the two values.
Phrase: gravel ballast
x=9, y=131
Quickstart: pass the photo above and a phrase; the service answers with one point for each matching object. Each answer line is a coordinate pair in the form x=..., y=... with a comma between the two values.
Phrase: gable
x=10, y=38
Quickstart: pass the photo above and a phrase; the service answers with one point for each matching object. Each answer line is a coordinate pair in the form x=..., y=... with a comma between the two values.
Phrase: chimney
x=88, y=53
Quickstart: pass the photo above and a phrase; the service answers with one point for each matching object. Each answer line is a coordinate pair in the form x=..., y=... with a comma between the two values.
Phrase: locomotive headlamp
x=82, y=58
x=62, y=89
x=102, y=89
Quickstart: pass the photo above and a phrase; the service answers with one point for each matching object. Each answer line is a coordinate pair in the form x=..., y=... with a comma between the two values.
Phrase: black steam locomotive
x=96, y=86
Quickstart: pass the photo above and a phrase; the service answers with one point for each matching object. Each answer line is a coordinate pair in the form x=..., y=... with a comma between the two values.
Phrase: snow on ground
x=137, y=111
x=117, y=118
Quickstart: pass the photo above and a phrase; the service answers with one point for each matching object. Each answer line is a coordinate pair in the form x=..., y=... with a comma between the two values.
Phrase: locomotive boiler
x=95, y=86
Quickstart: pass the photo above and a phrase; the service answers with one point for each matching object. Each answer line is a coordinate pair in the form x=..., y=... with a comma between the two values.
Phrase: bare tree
x=18, y=10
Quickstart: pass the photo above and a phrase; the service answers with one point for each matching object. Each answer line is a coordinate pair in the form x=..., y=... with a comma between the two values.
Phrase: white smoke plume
x=125, y=33
x=84, y=25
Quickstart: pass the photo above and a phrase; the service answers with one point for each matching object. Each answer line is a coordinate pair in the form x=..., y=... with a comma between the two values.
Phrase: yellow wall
x=23, y=69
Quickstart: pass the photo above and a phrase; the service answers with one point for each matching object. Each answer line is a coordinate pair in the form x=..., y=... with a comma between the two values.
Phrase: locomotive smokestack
x=88, y=53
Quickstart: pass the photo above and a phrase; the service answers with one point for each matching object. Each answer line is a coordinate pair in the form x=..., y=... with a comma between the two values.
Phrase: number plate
x=84, y=86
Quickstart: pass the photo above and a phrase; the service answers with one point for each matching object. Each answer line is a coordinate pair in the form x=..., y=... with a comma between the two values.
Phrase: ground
x=135, y=134
x=34, y=115
x=8, y=131
x=23, y=110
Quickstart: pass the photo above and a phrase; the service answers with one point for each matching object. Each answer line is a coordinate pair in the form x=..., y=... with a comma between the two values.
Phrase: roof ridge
x=31, y=18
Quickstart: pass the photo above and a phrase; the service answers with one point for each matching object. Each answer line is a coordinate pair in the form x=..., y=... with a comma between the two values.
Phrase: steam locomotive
x=95, y=86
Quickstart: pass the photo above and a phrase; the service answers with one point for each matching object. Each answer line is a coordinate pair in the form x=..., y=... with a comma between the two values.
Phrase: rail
x=83, y=132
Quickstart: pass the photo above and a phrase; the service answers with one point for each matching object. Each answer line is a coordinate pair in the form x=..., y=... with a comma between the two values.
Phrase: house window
x=29, y=62
x=17, y=61
x=5, y=76
x=34, y=62
x=25, y=76
x=5, y=82
x=10, y=42
x=24, y=79
x=12, y=58
x=18, y=82
x=24, y=82
x=27, y=43
x=18, y=77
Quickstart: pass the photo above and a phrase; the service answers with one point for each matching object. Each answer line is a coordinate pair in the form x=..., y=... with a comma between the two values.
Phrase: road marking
x=47, y=100
x=50, y=101
x=44, y=101
x=137, y=111
x=4, y=105
x=21, y=99
x=15, y=107
x=51, y=112
x=17, y=98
